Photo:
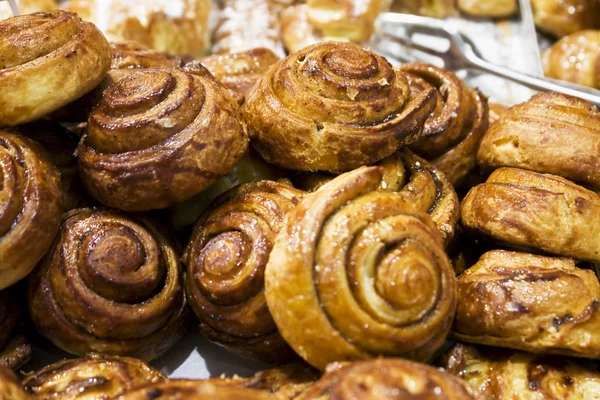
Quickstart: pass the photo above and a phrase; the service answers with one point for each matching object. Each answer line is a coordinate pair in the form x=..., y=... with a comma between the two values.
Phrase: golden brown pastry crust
x=240, y=71
x=529, y=210
x=159, y=137
x=575, y=58
x=48, y=60
x=428, y=8
x=226, y=259
x=488, y=8
x=296, y=30
x=496, y=111
x=112, y=285
x=387, y=378
x=10, y=387
x=454, y=130
x=334, y=107
x=183, y=389
x=15, y=349
x=503, y=375
x=551, y=133
x=563, y=17
x=356, y=272
x=16, y=353
x=540, y=304
x=31, y=206
x=27, y=7
x=96, y=376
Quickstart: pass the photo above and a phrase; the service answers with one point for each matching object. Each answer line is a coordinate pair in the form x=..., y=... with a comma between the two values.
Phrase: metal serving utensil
x=13, y=7
x=461, y=54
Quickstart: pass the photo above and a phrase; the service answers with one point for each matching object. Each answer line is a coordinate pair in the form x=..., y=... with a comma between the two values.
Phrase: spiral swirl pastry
x=183, y=389
x=528, y=210
x=356, y=272
x=159, y=137
x=240, y=71
x=226, y=259
x=10, y=387
x=575, y=58
x=551, y=133
x=533, y=302
x=98, y=377
x=387, y=379
x=453, y=131
x=503, y=375
x=48, y=60
x=334, y=107
x=111, y=285
x=30, y=206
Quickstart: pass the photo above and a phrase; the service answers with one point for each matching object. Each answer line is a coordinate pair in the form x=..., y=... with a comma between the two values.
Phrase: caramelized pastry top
x=182, y=389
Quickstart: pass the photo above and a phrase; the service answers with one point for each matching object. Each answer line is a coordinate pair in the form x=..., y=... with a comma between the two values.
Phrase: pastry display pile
x=370, y=231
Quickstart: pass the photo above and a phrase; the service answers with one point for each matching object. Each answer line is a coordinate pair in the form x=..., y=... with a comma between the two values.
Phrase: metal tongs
x=461, y=54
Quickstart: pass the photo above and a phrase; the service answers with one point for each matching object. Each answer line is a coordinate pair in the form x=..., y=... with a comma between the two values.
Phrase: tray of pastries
x=252, y=199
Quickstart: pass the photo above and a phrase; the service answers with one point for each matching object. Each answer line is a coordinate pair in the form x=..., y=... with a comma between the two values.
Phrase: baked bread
x=504, y=375
x=540, y=304
x=96, y=376
x=112, y=285
x=488, y=8
x=575, y=58
x=428, y=8
x=10, y=387
x=356, y=273
x=173, y=26
x=528, y=210
x=30, y=206
x=226, y=259
x=551, y=133
x=159, y=137
x=48, y=60
x=184, y=389
x=563, y=17
x=334, y=107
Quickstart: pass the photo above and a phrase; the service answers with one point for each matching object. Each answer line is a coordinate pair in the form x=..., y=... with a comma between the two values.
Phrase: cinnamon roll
x=60, y=144
x=524, y=209
x=30, y=206
x=504, y=375
x=226, y=258
x=10, y=387
x=240, y=71
x=488, y=8
x=453, y=131
x=551, y=133
x=16, y=353
x=563, y=17
x=334, y=107
x=15, y=350
x=48, y=60
x=111, y=285
x=387, y=378
x=356, y=272
x=540, y=304
x=159, y=137
x=575, y=58
x=96, y=376
x=183, y=389
x=246, y=25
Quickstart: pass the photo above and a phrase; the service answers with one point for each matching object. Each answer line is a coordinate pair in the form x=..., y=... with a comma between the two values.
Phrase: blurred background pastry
x=564, y=17
x=488, y=8
x=27, y=7
x=428, y=8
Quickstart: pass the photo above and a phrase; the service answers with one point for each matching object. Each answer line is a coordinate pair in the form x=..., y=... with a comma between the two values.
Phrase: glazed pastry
x=159, y=137
x=453, y=131
x=334, y=107
x=488, y=8
x=428, y=8
x=496, y=111
x=240, y=71
x=387, y=378
x=540, y=304
x=504, y=375
x=551, y=133
x=417, y=182
x=296, y=30
x=563, y=17
x=246, y=25
x=112, y=285
x=173, y=26
x=356, y=273
x=30, y=206
x=27, y=7
x=10, y=387
x=41, y=75
x=226, y=258
x=95, y=377
x=15, y=349
x=527, y=210
x=575, y=58
x=60, y=145
x=183, y=389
